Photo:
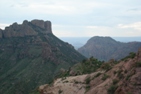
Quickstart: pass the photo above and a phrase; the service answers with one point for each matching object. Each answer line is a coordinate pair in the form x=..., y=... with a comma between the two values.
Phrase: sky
x=77, y=18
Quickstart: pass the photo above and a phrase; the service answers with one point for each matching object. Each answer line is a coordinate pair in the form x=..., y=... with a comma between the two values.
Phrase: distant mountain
x=30, y=55
x=105, y=48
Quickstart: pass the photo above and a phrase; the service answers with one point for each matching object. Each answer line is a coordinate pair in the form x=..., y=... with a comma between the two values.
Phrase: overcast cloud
x=77, y=18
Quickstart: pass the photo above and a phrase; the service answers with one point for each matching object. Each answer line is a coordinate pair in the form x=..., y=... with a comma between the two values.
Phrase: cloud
x=136, y=26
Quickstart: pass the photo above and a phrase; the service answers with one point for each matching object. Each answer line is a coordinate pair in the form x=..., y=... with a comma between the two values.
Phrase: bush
x=131, y=55
x=87, y=87
x=115, y=81
x=138, y=64
x=60, y=91
x=98, y=74
x=112, y=89
x=87, y=80
x=119, y=73
x=105, y=76
x=106, y=66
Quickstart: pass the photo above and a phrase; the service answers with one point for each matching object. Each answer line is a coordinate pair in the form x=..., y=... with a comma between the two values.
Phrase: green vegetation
x=131, y=55
x=115, y=81
x=129, y=93
x=105, y=76
x=120, y=74
x=87, y=87
x=87, y=80
x=98, y=74
x=138, y=64
x=87, y=66
x=106, y=66
x=60, y=91
x=112, y=89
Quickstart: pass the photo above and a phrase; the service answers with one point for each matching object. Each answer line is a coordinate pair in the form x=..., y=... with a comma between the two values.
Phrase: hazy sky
x=77, y=18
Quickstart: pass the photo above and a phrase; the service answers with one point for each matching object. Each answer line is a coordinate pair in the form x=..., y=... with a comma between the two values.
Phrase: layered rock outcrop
x=26, y=29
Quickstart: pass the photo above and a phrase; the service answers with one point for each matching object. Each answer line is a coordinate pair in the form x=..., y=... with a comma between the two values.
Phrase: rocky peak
x=26, y=29
x=43, y=24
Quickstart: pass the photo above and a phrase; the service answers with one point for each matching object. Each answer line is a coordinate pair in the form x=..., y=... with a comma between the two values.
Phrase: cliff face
x=122, y=77
x=26, y=29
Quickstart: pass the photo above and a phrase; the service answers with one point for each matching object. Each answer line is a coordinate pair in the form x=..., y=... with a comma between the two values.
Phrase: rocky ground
x=122, y=78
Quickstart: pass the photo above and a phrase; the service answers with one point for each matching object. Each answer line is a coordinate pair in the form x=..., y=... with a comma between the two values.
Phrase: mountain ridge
x=105, y=48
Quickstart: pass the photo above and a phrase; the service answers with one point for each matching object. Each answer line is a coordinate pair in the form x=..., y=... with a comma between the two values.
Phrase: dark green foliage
x=106, y=66
x=60, y=91
x=87, y=87
x=120, y=74
x=115, y=72
x=115, y=81
x=87, y=80
x=131, y=55
x=98, y=74
x=87, y=66
x=129, y=93
x=35, y=92
x=138, y=64
x=112, y=89
x=105, y=76
x=128, y=77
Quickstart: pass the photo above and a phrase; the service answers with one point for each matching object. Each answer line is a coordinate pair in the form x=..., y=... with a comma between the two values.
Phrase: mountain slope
x=123, y=77
x=31, y=55
x=105, y=48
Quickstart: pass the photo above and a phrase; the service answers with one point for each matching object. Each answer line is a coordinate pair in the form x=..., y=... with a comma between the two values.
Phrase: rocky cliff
x=122, y=77
x=26, y=29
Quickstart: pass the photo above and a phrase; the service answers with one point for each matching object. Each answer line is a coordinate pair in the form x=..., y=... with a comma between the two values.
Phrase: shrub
x=87, y=80
x=87, y=87
x=98, y=74
x=60, y=91
x=105, y=76
x=121, y=76
x=119, y=73
x=112, y=89
x=115, y=81
x=115, y=72
x=106, y=66
x=138, y=64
